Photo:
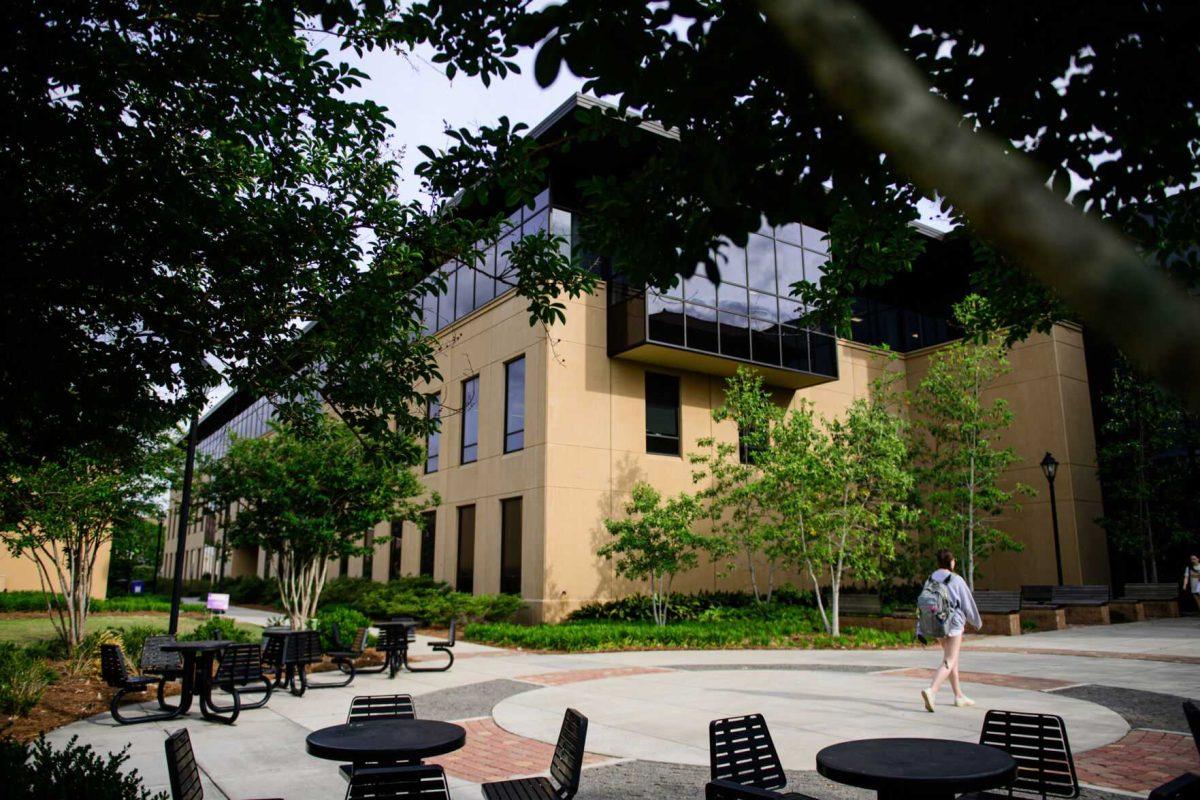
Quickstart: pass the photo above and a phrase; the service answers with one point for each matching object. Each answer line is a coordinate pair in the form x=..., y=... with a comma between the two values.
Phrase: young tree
x=60, y=514
x=135, y=544
x=864, y=512
x=961, y=464
x=1141, y=459
x=654, y=542
x=733, y=491
x=308, y=496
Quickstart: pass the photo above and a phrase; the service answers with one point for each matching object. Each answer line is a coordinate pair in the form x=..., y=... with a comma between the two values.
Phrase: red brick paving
x=990, y=678
x=565, y=676
x=494, y=754
x=1139, y=762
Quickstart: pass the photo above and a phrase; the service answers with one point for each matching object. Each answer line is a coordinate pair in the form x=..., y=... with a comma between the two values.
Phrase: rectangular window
x=662, y=414
x=510, y=546
x=344, y=567
x=428, y=542
x=470, y=420
x=394, y=545
x=514, y=405
x=368, y=559
x=433, y=441
x=466, y=550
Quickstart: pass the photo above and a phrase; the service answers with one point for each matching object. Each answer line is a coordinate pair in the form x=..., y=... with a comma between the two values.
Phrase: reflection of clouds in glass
x=760, y=260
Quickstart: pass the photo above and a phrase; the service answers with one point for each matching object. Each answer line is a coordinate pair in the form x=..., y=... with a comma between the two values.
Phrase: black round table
x=386, y=741
x=198, y=659
x=911, y=768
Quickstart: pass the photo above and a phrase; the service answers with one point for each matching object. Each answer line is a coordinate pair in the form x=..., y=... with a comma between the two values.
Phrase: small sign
x=218, y=602
x=137, y=587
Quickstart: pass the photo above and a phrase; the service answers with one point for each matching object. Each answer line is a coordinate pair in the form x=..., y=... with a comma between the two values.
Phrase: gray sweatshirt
x=961, y=599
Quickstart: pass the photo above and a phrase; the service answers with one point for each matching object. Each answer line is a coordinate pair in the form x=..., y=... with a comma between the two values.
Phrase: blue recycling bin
x=137, y=587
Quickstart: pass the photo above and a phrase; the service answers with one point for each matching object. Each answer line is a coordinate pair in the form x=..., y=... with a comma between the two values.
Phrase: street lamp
x=1050, y=469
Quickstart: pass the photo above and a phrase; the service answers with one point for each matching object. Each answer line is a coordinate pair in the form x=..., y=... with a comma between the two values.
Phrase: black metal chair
x=303, y=651
x=742, y=753
x=393, y=643
x=425, y=782
x=346, y=657
x=381, y=706
x=565, y=768
x=1039, y=745
x=239, y=667
x=444, y=646
x=182, y=769
x=273, y=650
x=1184, y=787
x=1192, y=712
x=168, y=666
x=116, y=674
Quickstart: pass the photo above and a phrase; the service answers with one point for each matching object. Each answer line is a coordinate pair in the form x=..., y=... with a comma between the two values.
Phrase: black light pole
x=185, y=511
x=158, y=543
x=1050, y=469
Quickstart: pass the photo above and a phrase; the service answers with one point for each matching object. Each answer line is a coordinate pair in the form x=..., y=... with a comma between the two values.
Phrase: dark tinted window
x=433, y=442
x=662, y=414
x=735, y=336
x=666, y=319
x=760, y=260
x=394, y=546
x=466, y=550
x=510, y=546
x=470, y=420
x=368, y=559
x=514, y=405
x=701, y=328
x=428, y=541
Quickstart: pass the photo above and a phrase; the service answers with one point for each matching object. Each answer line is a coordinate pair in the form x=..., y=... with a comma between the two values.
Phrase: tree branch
x=1004, y=197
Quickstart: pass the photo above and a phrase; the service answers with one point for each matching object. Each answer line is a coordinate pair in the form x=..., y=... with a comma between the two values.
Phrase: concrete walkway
x=1117, y=687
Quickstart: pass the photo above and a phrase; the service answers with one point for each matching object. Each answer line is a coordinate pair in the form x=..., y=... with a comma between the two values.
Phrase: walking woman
x=945, y=607
x=1191, y=579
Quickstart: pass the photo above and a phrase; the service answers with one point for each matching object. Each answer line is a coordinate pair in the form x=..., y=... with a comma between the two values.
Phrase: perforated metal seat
x=565, y=767
x=304, y=650
x=443, y=646
x=426, y=782
x=1039, y=745
x=182, y=769
x=115, y=673
x=239, y=667
x=742, y=753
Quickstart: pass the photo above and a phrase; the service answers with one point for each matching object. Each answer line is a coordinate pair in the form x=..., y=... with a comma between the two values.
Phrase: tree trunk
x=863, y=75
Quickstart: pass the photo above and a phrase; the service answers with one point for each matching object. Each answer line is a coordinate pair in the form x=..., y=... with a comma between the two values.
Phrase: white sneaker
x=963, y=702
x=927, y=696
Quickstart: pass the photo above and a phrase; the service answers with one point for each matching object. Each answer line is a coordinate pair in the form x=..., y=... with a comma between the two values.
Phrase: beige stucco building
x=21, y=574
x=545, y=430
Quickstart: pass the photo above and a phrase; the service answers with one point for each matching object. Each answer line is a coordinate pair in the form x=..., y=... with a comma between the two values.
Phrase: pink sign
x=218, y=602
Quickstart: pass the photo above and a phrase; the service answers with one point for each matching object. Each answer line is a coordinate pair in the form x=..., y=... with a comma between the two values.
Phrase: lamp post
x=1050, y=469
x=185, y=512
x=158, y=544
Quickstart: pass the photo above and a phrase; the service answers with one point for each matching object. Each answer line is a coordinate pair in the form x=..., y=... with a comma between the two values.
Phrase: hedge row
x=36, y=601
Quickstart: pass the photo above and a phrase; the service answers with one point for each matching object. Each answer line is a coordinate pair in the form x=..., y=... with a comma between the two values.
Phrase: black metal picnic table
x=386, y=741
x=938, y=769
x=394, y=642
x=284, y=673
x=197, y=679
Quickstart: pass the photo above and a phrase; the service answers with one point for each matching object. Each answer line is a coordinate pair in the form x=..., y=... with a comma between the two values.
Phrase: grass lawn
x=24, y=629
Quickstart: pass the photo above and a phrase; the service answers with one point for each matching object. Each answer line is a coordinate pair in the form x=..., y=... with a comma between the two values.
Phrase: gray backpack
x=934, y=607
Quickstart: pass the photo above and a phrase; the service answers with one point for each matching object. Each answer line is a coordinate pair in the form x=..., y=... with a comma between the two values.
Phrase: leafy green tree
x=1144, y=476
x=961, y=464
x=308, y=496
x=864, y=514
x=796, y=479
x=732, y=490
x=135, y=544
x=60, y=514
x=189, y=181
x=654, y=542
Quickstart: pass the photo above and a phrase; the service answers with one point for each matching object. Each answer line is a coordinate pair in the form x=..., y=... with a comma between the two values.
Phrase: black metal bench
x=425, y=782
x=1142, y=601
x=1000, y=610
x=302, y=651
x=443, y=646
x=1039, y=745
x=116, y=674
x=168, y=666
x=239, y=667
x=1089, y=595
x=565, y=768
x=1183, y=787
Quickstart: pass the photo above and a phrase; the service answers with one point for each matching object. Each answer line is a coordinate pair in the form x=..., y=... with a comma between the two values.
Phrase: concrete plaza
x=1117, y=687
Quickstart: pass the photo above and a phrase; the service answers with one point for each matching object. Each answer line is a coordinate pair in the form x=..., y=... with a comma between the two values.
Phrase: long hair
x=945, y=559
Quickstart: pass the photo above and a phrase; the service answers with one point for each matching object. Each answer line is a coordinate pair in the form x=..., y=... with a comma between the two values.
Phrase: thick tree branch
x=1094, y=269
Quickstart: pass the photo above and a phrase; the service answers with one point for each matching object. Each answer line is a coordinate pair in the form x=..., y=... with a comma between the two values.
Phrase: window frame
x=508, y=396
x=428, y=536
x=474, y=411
x=433, y=409
x=650, y=435
x=458, y=567
x=506, y=576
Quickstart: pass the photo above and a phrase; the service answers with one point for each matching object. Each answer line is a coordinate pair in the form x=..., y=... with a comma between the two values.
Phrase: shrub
x=348, y=621
x=251, y=589
x=799, y=628
x=690, y=607
x=36, y=601
x=134, y=639
x=85, y=660
x=23, y=679
x=423, y=598
x=36, y=771
x=218, y=628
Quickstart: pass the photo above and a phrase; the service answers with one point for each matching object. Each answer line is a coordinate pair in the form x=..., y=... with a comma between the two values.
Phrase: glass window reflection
x=760, y=261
